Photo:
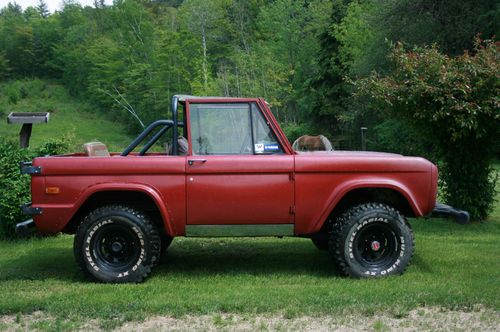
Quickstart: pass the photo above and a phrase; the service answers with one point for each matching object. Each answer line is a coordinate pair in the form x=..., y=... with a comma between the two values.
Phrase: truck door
x=238, y=176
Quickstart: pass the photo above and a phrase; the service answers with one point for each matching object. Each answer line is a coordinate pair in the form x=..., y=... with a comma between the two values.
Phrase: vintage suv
x=228, y=170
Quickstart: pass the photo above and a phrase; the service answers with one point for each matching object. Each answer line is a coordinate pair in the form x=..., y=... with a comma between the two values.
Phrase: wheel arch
x=139, y=196
x=380, y=192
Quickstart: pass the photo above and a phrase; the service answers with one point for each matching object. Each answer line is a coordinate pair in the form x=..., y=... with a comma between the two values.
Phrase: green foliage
x=128, y=59
x=329, y=89
x=394, y=135
x=13, y=93
x=56, y=146
x=4, y=66
x=18, y=90
x=454, y=102
x=15, y=187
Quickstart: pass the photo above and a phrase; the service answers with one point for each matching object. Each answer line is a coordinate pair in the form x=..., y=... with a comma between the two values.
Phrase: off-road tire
x=165, y=242
x=117, y=244
x=371, y=240
x=321, y=244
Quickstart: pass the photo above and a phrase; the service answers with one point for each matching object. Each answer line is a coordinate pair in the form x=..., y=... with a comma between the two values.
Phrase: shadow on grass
x=41, y=263
x=186, y=257
x=255, y=257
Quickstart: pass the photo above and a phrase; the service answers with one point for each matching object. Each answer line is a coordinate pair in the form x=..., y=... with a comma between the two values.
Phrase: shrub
x=453, y=102
x=16, y=187
x=397, y=136
x=13, y=93
x=55, y=146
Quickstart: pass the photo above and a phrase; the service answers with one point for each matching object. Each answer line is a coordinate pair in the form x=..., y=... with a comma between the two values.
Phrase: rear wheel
x=372, y=240
x=117, y=244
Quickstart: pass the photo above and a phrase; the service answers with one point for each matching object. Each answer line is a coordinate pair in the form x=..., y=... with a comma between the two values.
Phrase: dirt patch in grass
x=424, y=319
x=421, y=319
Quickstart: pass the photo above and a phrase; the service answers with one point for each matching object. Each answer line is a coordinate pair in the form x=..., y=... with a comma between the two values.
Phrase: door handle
x=200, y=161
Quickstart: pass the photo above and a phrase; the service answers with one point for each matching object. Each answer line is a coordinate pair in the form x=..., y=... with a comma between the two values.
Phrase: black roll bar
x=153, y=140
x=175, y=100
x=166, y=123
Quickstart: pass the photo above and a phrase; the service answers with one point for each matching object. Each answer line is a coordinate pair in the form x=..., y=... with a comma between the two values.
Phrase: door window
x=222, y=129
x=265, y=141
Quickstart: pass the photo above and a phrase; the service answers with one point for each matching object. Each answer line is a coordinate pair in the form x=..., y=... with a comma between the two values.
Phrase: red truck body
x=292, y=188
x=340, y=199
x=300, y=189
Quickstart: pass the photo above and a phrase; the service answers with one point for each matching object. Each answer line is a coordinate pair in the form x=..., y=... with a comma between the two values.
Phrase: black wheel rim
x=116, y=247
x=376, y=246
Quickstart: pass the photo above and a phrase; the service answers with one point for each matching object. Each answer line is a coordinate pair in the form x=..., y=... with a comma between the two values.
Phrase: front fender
x=56, y=216
x=342, y=189
x=135, y=187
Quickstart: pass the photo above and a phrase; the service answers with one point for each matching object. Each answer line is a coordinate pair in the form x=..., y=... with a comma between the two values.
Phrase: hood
x=351, y=154
x=359, y=161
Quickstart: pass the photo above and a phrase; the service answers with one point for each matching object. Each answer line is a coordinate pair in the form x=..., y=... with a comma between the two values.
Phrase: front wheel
x=371, y=240
x=117, y=244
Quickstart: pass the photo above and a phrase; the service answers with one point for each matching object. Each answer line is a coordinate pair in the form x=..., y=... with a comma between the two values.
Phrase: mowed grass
x=69, y=118
x=455, y=267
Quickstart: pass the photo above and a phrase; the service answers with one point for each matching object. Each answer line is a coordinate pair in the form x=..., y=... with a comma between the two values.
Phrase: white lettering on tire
x=90, y=259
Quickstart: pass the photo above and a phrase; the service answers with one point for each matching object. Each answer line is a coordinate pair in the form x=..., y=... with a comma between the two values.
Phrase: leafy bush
x=16, y=187
x=55, y=146
x=397, y=136
x=13, y=93
x=453, y=102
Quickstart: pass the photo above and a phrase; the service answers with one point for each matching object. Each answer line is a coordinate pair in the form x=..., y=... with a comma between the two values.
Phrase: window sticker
x=259, y=148
x=271, y=147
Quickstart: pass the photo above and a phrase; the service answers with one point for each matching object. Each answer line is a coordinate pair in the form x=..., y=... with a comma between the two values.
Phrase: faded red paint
x=294, y=188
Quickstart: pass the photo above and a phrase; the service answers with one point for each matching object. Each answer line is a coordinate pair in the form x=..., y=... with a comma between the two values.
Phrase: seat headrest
x=96, y=149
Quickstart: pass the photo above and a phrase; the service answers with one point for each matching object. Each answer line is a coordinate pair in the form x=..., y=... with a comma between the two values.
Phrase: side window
x=220, y=129
x=264, y=140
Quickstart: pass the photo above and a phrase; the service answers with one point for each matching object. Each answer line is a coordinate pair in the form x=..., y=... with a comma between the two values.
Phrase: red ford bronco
x=227, y=169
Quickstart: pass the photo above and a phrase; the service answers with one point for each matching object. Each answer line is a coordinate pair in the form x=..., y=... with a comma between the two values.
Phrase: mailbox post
x=27, y=119
x=363, y=138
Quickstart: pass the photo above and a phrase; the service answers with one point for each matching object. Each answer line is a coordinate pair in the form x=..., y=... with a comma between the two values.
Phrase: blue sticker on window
x=271, y=147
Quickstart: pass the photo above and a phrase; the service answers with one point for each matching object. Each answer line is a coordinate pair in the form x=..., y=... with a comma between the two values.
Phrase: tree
x=43, y=9
x=206, y=19
x=329, y=87
x=454, y=103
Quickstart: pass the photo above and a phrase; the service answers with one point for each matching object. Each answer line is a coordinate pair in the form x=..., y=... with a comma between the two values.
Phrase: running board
x=239, y=230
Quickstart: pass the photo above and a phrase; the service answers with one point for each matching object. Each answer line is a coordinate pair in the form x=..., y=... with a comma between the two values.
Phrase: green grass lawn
x=454, y=267
x=69, y=118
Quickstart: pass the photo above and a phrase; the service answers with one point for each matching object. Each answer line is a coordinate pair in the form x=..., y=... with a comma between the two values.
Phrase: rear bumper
x=25, y=228
x=443, y=210
x=31, y=211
